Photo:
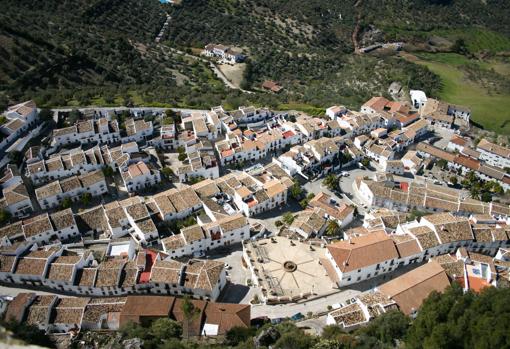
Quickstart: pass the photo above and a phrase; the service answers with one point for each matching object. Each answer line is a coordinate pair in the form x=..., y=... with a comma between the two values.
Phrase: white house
x=139, y=176
x=418, y=98
x=88, y=131
x=16, y=200
x=52, y=194
x=494, y=154
x=200, y=238
x=224, y=52
x=336, y=111
x=137, y=130
x=19, y=118
x=362, y=258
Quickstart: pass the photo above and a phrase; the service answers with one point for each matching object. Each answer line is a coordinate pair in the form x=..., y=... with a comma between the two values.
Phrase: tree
x=86, y=198
x=30, y=334
x=304, y=203
x=365, y=162
x=66, y=203
x=46, y=114
x=296, y=191
x=416, y=214
x=288, y=218
x=182, y=156
x=167, y=121
x=237, y=335
x=459, y=46
x=332, y=182
x=165, y=328
x=171, y=343
x=485, y=196
x=345, y=158
x=74, y=115
x=15, y=157
x=327, y=344
x=167, y=172
x=454, y=180
x=387, y=327
x=5, y=216
x=442, y=163
x=332, y=228
x=190, y=313
x=295, y=340
x=332, y=332
x=195, y=179
x=133, y=330
x=108, y=171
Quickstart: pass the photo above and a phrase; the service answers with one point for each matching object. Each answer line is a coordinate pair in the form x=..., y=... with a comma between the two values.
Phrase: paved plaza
x=289, y=268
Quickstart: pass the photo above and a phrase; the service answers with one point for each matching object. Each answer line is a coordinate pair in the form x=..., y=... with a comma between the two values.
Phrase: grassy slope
x=491, y=111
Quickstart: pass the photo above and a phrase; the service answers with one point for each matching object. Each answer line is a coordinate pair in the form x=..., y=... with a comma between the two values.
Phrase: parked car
x=277, y=320
x=297, y=316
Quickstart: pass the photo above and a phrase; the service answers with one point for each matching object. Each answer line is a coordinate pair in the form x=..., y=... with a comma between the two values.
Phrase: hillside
x=83, y=52
x=103, y=51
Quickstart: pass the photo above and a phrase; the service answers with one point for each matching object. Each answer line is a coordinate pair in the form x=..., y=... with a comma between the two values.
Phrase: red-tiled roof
x=467, y=162
x=288, y=134
x=150, y=258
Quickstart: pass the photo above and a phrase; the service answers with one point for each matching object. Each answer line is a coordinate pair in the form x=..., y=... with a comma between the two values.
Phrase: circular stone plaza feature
x=289, y=266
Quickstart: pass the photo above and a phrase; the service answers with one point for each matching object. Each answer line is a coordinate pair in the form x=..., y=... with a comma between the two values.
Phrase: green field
x=478, y=39
x=492, y=111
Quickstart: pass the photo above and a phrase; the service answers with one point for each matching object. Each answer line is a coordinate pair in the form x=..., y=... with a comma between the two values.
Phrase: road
x=316, y=324
x=317, y=305
x=119, y=108
x=13, y=291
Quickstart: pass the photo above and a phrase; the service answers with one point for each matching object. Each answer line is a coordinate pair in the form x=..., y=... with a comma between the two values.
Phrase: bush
x=30, y=334
x=4, y=217
x=66, y=203
x=237, y=335
x=288, y=218
x=167, y=172
x=166, y=328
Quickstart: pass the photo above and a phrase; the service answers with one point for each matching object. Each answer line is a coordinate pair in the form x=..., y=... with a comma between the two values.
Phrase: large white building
x=224, y=52
x=88, y=131
x=52, y=194
x=19, y=119
x=494, y=154
x=203, y=237
x=362, y=258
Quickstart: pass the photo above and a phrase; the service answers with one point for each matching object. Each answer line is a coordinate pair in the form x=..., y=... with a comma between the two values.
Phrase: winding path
x=355, y=33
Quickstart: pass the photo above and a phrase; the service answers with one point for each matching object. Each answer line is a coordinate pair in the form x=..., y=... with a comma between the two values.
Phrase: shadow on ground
x=233, y=293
